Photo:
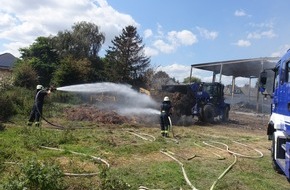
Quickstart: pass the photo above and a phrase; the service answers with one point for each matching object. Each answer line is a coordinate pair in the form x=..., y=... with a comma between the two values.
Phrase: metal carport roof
x=249, y=68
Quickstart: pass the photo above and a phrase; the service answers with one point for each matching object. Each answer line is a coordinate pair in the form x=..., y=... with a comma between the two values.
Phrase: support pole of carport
x=190, y=74
x=250, y=84
x=213, y=77
x=258, y=93
x=233, y=87
x=221, y=72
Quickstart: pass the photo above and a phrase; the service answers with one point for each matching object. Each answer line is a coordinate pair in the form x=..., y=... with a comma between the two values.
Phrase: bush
x=37, y=175
x=7, y=109
x=22, y=99
x=110, y=182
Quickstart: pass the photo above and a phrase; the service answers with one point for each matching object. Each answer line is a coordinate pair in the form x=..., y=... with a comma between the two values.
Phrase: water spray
x=133, y=102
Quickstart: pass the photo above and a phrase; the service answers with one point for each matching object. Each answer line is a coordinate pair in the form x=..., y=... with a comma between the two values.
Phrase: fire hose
x=182, y=167
x=235, y=154
x=77, y=153
x=82, y=154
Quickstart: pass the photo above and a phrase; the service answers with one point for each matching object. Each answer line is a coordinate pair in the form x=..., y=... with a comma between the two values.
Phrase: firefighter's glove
x=52, y=88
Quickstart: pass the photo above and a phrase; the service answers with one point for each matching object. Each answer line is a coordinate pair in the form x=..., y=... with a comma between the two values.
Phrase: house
x=7, y=61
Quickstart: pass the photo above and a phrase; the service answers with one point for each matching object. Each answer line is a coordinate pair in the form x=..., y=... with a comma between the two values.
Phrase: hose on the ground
x=235, y=154
x=219, y=156
x=182, y=168
x=143, y=136
x=82, y=154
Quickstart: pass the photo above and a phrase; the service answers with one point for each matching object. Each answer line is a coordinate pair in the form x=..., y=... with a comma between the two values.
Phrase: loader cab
x=215, y=91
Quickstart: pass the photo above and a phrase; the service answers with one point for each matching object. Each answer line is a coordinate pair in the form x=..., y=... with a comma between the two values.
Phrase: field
x=138, y=157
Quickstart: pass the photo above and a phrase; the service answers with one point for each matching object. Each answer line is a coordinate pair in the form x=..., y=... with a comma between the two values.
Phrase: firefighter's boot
x=166, y=134
x=37, y=124
x=29, y=123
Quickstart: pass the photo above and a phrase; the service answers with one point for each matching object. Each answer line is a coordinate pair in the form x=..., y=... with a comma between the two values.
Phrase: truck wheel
x=276, y=167
x=208, y=114
x=225, y=116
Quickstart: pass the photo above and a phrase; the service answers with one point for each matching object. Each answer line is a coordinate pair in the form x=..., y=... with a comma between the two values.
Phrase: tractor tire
x=208, y=114
x=225, y=116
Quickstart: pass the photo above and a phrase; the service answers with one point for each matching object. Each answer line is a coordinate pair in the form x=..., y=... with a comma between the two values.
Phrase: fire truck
x=277, y=87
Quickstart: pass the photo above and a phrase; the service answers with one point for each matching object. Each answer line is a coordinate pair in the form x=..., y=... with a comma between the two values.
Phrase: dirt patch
x=91, y=113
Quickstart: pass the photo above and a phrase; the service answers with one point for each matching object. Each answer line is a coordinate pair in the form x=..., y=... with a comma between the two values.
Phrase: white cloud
x=183, y=37
x=148, y=33
x=240, y=13
x=281, y=51
x=268, y=24
x=177, y=71
x=211, y=35
x=264, y=34
x=150, y=51
x=164, y=47
x=243, y=43
x=23, y=21
x=7, y=21
x=174, y=39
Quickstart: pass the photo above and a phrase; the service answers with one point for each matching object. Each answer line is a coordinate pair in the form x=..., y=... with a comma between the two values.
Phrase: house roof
x=7, y=61
x=239, y=68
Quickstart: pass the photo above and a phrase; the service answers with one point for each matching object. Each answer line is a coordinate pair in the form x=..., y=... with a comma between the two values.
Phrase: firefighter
x=165, y=112
x=38, y=104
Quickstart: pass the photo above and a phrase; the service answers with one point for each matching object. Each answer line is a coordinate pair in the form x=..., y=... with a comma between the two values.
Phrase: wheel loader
x=200, y=99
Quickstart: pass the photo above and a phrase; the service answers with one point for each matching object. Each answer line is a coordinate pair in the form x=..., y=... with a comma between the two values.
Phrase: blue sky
x=176, y=33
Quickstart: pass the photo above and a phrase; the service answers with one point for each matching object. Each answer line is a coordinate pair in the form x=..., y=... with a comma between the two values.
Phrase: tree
x=72, y=71
x=24, y=75
x=84, y=41
x=125, y=60
x=160, y=78
x=191, y=80
x=42, y=57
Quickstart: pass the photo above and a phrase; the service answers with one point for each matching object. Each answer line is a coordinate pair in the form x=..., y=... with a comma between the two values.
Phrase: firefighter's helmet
x=39, y=87
x=166, y=99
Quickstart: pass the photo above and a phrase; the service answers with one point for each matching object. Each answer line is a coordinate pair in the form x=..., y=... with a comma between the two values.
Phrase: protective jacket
x=165, y=110
x=37, y=106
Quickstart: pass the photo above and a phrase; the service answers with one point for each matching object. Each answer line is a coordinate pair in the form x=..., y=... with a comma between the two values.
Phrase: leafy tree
x=191, y=80
x=42, y=57
x=84, y=41
x=24, y=75
x=125, y=60
x=72, y=71
x=160, y=78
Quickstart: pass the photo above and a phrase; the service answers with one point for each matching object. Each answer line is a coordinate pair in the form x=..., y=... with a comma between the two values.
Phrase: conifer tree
x=125, y=59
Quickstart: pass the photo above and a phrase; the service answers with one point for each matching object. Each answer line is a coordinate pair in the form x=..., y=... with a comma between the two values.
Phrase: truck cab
x=279, y=124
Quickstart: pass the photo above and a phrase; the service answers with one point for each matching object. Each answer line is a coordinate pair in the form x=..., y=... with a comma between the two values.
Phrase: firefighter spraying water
x=36, y=111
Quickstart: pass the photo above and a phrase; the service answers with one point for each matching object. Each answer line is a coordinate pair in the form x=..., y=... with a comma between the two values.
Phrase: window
x=288, y=72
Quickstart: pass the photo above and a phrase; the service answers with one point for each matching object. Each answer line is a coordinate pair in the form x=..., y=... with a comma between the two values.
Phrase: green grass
x=139, y=162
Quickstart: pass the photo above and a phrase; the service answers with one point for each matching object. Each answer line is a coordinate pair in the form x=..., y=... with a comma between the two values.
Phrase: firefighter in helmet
x=36, y=111
x=165, y=112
